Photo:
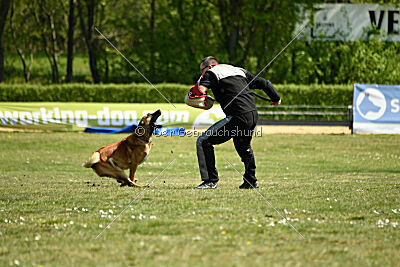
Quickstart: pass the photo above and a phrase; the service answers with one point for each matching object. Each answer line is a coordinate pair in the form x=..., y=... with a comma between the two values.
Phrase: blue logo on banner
x=376, y=103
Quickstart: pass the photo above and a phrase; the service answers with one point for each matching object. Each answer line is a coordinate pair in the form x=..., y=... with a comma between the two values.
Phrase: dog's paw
x=123, y=183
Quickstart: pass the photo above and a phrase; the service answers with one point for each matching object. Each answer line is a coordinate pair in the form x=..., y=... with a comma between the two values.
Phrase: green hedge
x=144, y=93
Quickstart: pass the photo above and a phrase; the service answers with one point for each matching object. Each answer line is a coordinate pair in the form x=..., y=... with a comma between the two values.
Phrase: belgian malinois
x=111, y=160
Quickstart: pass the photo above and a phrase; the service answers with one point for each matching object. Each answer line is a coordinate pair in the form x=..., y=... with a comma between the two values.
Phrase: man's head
x=207, y=63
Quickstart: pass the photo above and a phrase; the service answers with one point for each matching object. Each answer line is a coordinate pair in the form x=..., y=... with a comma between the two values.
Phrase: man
x=231, y=87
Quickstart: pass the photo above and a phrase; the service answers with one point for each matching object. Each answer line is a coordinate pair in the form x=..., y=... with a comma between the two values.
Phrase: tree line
x=166, y=39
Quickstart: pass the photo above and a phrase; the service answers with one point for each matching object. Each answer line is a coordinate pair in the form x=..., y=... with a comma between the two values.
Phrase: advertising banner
x=349, y=22
x=376, y=108
x=78, y=116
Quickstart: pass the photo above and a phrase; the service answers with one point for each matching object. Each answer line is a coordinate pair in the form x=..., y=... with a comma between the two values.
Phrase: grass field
x=341, y=192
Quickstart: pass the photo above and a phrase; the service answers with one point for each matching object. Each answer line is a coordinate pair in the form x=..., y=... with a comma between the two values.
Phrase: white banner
x=349, y=22
x=376, y=108
x=75, y=116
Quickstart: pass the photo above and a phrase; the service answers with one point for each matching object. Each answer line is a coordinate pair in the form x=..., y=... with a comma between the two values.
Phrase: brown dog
x=111, y=160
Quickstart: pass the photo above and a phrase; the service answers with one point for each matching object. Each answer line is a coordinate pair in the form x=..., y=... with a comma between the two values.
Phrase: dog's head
x=147, y=124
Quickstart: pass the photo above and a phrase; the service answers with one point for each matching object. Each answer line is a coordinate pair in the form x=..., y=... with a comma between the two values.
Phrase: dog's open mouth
x=154, y=117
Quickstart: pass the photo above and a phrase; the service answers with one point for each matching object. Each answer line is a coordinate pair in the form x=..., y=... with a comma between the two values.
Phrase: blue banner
x=376, y=108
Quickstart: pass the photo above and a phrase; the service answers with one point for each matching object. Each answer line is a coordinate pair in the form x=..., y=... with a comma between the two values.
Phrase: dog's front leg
x=132, y=173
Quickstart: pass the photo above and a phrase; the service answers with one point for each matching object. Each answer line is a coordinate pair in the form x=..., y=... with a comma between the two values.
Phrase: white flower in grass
x=133, y=217
x=100, y=226
x=71, y=222
x=271, y=224
x=141, y=243
x=196, y=238
x=386, y=221
x=152, y=217
x=285, y=211
x=68, y=209
x=374, y=211
x=380, y=223
x=21, y=218
x=16, y=262
x=37, y=237
x=110, y=211
x=283, y=221
x=84, y=225
x=394, y=210
x=101, y=211
x=394, y=224
x=327, y=199
x=75, y=208
x=6, y=220
x=330, y=207
x=308, y=219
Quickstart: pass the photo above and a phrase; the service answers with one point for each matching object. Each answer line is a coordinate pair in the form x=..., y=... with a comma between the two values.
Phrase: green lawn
x=341, y=192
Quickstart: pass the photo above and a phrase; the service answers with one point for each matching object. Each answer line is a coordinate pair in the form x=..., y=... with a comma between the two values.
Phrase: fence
x=305, y=115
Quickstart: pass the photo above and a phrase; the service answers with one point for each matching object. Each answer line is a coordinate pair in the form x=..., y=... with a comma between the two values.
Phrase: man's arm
x=209, y=80
x=265, y=85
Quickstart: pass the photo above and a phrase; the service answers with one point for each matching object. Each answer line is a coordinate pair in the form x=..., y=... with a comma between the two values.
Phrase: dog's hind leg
x=108, y=170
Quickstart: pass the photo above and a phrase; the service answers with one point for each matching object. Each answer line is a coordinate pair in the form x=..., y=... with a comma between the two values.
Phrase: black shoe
x=247, y=185
x=207, y=185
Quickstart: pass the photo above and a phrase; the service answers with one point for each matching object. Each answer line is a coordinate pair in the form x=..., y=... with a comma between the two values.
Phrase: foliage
x=144, y=93
x=166, y=39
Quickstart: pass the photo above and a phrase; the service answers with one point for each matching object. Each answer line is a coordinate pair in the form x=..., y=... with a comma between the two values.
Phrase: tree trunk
x=229, y=13
x=54, y=56
x=152, y=32
x=46, y=17
x=4, y=7
x=70, y=45
x=91, y=42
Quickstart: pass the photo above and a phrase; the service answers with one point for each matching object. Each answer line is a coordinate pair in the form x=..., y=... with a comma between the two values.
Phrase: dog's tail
x=92, y=160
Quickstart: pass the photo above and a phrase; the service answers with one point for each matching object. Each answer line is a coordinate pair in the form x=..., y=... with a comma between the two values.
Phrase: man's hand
x=203, y=89
x=276, y=103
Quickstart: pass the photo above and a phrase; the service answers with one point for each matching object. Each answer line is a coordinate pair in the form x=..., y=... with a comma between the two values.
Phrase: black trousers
x=241, y=129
